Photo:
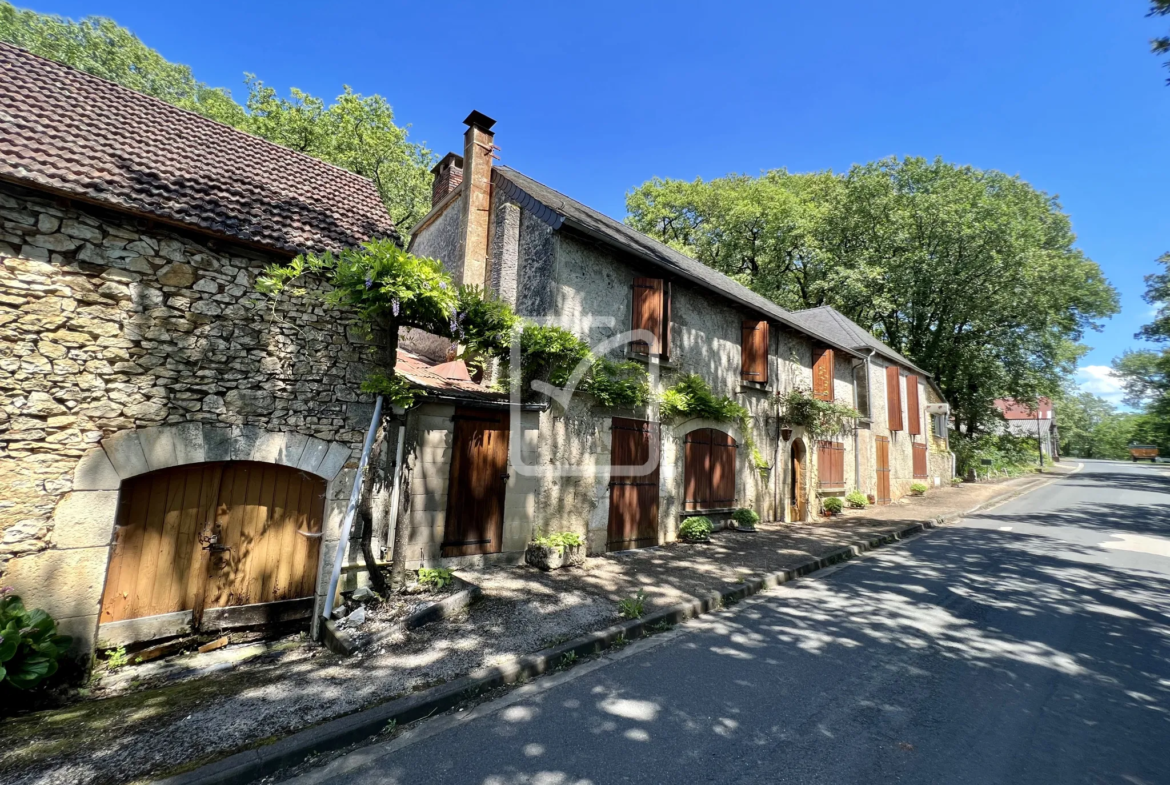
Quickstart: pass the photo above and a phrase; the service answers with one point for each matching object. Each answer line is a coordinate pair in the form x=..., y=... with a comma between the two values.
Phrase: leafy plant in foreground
x=560, y=541
x=695, y=529
x=29, y=644
x=919, y=488
x=832, y=505
x=745, y=518
x=633, y=607
x=857, y=500
x=436, y=578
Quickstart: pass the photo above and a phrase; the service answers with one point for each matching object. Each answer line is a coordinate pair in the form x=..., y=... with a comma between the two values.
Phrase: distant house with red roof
x=1037, y=421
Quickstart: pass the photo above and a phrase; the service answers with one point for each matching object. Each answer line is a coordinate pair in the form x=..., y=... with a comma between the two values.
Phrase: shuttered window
x=823, y=374
x=831, y=465
x=652, y=313
x=914, y=426
x=754, y=351
x=894, y=397
x=920, y=461
x=709, y=470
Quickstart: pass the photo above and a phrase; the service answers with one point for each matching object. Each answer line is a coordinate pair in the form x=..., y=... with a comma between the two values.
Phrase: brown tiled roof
x=79, y=135
x=442, y=378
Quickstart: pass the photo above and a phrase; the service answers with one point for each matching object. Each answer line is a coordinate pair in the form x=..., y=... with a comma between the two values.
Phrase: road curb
x=245, y=767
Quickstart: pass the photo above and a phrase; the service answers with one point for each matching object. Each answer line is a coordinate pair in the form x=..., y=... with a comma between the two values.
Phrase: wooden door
x=798, y=499
x=883, y=469
x=633, y=500
x=708, y=470
x=478, y=482
x=212, y=535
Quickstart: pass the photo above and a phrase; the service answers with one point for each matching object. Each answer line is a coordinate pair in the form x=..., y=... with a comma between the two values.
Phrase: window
x=919, y=461
x=822, y=370
x=754, y=351
x=709, y=470
x=894, y=397
x=938, y=425
x=914, y=426
x=652, y=313
x=861, y=389
x=831, y=465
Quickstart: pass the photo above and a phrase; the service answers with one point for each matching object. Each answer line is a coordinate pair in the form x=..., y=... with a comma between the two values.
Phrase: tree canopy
x=1160, y=45
x=355, y=132
x=1146, y=372
x=972, y=274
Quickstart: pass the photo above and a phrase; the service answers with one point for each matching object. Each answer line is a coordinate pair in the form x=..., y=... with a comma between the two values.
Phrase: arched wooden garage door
x=212, y=546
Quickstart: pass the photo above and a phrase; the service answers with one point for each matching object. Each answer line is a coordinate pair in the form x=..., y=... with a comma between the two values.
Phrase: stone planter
x=547, y=557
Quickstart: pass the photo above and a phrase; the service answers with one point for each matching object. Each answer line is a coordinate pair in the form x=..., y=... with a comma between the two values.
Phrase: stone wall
x=110, y=326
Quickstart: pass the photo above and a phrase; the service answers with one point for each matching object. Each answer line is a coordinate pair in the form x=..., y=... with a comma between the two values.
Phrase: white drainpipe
x=354, y=496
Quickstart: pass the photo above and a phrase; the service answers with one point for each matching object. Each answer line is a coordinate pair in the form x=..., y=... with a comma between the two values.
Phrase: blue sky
x=594, y=98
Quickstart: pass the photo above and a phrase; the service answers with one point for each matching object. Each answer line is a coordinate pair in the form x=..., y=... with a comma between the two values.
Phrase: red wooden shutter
x=823, y=374
x=831, y=465
x=894, y=397
x=648, y=313
x=913, y=427
x=722, y=471
x=708, y=470
x=920, y=471
x=754, y=351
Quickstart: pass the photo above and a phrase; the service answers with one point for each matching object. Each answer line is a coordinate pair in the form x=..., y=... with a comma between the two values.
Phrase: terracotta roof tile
x=77, y=134
x=440, y=378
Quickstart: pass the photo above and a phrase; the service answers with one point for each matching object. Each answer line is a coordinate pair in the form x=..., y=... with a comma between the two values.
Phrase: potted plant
x=832, y=505
x=695, y=529
x=919, y=488
x=553, y=551
x=856, y=500
x=745, y=519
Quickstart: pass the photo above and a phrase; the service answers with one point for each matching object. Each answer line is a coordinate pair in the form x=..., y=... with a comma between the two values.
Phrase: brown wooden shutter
x=708, y=470
x=894, y=397
x=831, y=465
x=920, y=471
x=722, y=470
x=754, y=351
x=649, y=305
x=823, y=374
x=914, y=427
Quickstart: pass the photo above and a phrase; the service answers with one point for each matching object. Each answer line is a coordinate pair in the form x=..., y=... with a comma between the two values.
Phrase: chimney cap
x=479, y=120
x=447, y=160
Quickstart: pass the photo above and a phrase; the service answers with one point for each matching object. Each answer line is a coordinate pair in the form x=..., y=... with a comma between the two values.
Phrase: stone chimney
x=477, y=185
x=448, y=175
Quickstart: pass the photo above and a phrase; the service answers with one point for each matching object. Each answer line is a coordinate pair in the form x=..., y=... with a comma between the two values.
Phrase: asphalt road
x=1030, y=644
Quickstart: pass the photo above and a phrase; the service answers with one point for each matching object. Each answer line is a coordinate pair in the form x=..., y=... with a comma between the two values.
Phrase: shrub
x=560, y=541
x=857, y=499
x=29, y=644
x=695, y=529
x=832, y=504
x=1004, y=452
x=435, y=578
x=919, y=488
x=633, y=607
x=745, y=518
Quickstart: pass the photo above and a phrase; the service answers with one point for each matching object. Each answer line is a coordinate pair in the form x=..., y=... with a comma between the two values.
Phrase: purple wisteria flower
x=443, y=285
x=369, y=282
x=395, y=306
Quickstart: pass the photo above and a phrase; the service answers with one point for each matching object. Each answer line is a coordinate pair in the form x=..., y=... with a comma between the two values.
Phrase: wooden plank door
x=883, y=469
x=210, y=536
x=798, y=499
x=633, y=500
x=708, y=470
x=267, y=535
x=478, y=483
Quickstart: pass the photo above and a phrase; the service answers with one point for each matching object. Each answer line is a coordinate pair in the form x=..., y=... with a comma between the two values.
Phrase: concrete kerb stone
x=248, y=766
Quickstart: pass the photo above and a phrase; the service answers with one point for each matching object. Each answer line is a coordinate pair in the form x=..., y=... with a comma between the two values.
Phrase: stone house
x=173, y=453
x=1034, y=422
x=568, y=465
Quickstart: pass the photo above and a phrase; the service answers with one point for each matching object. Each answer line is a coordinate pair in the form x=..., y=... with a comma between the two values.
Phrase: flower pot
x=547, y=557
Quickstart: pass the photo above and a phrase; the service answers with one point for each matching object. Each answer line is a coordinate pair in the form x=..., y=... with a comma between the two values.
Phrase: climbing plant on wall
x=820, y=419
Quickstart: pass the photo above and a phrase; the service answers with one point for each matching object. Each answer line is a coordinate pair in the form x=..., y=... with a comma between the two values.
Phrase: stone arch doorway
x=212, y=546
x=105, y=479
x=798, y=494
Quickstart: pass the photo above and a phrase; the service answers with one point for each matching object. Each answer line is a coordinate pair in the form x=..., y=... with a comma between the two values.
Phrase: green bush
x=919, y=488
x=832, y=504
x=745, y=518
x=633, y=607
x=1004, y=452
x=560, y=541
x=857, y=499
x=436, y=578
x=29, y=644
x=695, y=529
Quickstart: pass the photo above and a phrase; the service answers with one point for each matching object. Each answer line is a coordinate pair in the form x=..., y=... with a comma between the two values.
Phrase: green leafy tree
x=972, y=274
x=355, y=132
x=1161, y=44
x=1146, y=372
